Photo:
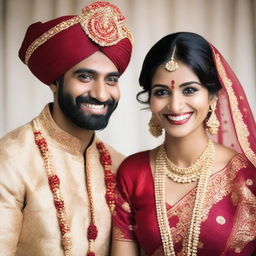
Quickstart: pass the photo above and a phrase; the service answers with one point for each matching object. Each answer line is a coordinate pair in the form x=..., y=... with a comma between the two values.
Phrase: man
x=56, y=178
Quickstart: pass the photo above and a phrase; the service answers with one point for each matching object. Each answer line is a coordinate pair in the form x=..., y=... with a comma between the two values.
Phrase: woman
x=192, y=195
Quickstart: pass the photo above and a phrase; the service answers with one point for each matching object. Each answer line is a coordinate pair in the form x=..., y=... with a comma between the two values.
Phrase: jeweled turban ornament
x=172, y=65
x=103, y=23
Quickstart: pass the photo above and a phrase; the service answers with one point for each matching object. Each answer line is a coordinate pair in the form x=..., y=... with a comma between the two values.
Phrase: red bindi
x=172, y=84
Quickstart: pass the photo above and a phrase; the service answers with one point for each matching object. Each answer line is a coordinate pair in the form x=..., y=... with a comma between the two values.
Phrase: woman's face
x=179, y=101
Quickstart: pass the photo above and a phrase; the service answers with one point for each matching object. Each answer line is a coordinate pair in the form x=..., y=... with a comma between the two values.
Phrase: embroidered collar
x=57, y=136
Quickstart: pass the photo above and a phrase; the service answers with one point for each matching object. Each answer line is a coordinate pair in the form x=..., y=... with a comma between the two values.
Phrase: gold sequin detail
x=126, y=207
x=234, y=198
x=221, y=220
x=131, y=227
x=241, y=128
x=237, y=250
x=200, y=245
x=249, y=182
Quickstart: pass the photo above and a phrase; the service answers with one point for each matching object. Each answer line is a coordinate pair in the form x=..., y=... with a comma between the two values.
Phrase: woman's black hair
x=191, y=49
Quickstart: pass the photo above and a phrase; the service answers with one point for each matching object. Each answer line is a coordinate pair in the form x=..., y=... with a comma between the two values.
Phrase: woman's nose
x=176, y=104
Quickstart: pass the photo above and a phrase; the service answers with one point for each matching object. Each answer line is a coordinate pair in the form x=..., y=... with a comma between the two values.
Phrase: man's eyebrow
x=114, y=74
x=85, y=70
x=93, y=72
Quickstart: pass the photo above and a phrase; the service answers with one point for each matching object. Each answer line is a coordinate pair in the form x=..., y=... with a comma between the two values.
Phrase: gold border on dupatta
x=241, y=128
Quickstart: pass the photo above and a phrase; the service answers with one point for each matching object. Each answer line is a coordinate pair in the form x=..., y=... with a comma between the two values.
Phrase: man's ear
x=53, y=86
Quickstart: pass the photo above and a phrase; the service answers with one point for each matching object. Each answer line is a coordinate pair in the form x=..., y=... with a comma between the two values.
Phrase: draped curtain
x=230, y=25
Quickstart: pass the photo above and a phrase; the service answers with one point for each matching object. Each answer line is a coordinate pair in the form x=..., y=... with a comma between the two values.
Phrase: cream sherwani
x=28, y=222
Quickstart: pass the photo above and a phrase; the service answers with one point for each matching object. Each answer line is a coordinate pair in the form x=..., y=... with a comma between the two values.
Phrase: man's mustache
x=89, y=100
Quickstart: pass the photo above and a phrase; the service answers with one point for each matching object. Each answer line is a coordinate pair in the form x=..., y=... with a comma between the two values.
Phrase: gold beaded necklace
x=162, y=218
x=187, y=174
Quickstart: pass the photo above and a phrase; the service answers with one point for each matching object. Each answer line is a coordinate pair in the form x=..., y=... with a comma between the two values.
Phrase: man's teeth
x=95, y=106
x=178, y=118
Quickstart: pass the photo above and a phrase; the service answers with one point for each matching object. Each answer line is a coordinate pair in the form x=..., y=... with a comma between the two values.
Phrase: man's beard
x=73, y=111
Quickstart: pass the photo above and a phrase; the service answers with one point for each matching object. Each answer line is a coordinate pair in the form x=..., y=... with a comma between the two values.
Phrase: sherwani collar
x=59, y=137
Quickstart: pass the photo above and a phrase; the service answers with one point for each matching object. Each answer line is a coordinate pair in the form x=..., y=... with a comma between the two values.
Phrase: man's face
x=89, y=92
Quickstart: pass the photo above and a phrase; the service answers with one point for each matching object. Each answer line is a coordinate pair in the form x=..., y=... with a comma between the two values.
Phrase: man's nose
x=99, y=91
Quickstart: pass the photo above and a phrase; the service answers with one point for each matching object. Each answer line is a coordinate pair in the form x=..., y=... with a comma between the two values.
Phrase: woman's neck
x=185, y=151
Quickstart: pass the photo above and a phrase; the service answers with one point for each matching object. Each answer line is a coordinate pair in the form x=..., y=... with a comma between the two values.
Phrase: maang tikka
x=172, y=65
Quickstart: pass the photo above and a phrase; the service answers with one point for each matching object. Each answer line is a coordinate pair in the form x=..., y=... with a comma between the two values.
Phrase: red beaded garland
x=92, y=232
x=110, y=179
x=54, y=183
x=91, y=254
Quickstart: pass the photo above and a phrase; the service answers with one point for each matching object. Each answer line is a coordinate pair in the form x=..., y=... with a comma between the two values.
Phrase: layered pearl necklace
x=54, y=183
x=161, y=170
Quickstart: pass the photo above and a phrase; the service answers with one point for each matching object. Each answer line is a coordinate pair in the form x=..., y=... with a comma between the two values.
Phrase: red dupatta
x=237, y=126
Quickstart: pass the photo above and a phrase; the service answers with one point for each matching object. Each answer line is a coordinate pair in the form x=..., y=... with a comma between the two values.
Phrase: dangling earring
x=212, y=125
x=154, y=128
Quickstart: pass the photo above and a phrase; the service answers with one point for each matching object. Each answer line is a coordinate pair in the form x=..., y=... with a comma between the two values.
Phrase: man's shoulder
x=17, y=133
x=15, y=141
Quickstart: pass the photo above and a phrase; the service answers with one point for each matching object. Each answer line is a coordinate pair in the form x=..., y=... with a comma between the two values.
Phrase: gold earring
x=154, y=128
x=212, y=125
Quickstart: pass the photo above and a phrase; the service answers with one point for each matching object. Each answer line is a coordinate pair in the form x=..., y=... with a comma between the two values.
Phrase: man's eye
x=85, y=77
x=112, y=80
x=160, y=92
x=189, y=90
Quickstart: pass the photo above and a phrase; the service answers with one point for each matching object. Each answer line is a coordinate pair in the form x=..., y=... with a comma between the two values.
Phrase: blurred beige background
x=229, y=24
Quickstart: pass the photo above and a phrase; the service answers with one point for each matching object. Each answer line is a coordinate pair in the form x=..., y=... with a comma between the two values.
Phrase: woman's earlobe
x=213, y=99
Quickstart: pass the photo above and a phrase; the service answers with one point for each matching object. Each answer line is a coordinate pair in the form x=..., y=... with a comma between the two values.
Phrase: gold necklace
x=194, y=229
x=187, y=174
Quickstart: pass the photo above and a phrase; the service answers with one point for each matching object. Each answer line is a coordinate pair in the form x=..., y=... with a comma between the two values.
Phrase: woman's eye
x=160, y=92
x=189, y=90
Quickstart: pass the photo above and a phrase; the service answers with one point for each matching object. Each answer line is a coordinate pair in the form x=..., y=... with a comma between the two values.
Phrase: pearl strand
x=194, y=229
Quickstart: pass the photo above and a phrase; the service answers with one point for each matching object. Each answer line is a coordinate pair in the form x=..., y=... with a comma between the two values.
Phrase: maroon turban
x=51, y=48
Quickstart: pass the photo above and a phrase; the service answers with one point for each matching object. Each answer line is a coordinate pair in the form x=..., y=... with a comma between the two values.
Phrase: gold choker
x=191, y=173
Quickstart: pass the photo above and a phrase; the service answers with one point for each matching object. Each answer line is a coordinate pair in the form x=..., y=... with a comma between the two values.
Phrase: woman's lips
x=179, y=119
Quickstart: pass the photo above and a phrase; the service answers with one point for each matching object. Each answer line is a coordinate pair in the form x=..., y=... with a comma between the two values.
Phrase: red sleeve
x=123, y=218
